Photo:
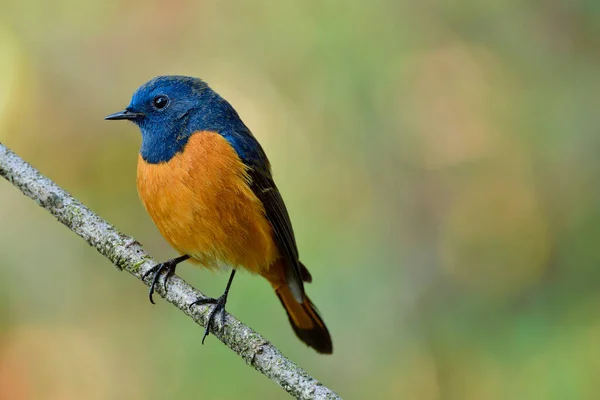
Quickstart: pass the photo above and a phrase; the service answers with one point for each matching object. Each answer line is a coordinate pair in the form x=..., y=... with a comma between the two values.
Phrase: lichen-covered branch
x=127, y=254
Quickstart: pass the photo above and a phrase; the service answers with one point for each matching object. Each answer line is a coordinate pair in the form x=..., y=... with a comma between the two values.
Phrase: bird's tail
x=305, y=320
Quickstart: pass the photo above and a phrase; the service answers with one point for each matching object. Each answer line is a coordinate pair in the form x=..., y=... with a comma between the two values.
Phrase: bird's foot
x=167, y=269
x=217, y=310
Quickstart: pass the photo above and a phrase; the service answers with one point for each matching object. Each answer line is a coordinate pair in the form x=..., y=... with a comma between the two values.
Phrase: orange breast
x=201, y=203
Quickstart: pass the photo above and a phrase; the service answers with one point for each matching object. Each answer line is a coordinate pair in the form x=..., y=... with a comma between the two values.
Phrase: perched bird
x=206, y=183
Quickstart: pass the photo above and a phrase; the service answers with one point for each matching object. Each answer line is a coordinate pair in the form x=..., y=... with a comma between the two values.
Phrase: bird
x=207, y=184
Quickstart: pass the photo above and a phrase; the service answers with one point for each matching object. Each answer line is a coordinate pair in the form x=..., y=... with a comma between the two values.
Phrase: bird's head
x=163, y=102
x=168, y=109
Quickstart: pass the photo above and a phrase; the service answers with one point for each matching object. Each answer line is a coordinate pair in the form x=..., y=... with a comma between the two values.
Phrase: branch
x=127, y=254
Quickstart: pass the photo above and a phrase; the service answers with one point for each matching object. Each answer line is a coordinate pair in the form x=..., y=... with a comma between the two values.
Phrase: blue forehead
x=175, y=86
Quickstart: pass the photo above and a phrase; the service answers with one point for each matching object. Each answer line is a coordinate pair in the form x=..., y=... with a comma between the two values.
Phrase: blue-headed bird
x=206, y=183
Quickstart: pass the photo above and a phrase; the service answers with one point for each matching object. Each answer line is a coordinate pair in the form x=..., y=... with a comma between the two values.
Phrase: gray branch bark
x=127, y=254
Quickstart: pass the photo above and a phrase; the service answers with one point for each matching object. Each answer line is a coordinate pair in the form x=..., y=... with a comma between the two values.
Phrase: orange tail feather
x=305, y=320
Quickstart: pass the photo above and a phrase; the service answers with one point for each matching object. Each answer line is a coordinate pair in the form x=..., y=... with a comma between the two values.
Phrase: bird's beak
x=125, y=114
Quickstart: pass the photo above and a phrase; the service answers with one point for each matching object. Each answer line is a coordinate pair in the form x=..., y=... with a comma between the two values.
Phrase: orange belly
x=201, y=203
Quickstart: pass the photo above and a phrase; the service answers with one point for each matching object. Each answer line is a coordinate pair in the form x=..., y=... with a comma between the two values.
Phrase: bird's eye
x=160, y=101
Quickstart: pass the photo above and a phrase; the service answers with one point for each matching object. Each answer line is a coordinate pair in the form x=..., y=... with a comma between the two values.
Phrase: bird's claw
x=218, y=308
x=169, y=269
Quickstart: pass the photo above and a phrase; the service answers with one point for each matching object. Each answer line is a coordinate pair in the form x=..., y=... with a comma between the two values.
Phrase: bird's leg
x=168, y=267
x=219, y=307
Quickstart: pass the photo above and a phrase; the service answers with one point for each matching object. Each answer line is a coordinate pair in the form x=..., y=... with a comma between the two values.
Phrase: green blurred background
x=437, y=161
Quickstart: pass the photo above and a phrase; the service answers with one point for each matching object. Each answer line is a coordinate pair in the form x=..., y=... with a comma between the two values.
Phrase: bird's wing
x=265, y=189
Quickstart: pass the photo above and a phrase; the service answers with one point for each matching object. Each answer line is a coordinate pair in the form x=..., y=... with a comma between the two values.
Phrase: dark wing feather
x=262, y=185
x=265, y=189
